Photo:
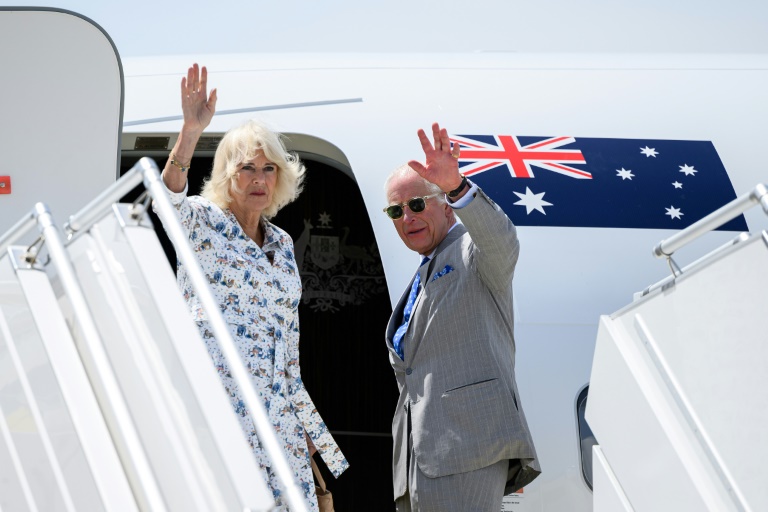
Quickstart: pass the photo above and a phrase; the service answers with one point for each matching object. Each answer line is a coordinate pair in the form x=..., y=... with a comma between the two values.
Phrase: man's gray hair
x=406, y=170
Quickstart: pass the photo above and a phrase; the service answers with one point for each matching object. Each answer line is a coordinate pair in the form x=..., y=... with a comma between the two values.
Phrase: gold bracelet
x=184, y=168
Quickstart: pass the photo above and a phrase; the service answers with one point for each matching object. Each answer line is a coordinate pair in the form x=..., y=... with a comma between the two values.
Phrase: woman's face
x=256, y=179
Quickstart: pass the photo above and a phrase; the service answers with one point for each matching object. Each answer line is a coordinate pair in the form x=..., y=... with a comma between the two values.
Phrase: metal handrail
x=94, y=210
x=110, y=397
x=16, y=231
x=741, y=237
x=714, y=220
x=267, y=437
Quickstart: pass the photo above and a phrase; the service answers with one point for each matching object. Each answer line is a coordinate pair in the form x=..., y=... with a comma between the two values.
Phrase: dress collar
x=274, y=238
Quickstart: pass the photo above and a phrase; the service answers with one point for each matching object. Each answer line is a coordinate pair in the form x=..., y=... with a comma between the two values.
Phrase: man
x=461, y=441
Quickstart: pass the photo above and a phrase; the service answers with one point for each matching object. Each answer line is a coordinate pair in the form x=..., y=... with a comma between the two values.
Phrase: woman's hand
x=198, y=107
x=442, y=165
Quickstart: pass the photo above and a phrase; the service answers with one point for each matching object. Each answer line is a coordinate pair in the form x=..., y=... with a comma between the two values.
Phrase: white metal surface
x=15, y=491
x=100, y=461
x=29, y=435
x=101, y=372
x=62, y=100
x=609, y=496
x=679, y=373
x=140, y=377
x=184, y=447
x=639, y=431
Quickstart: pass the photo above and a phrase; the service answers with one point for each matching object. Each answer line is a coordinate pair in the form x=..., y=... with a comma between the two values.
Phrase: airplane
x=595, y=157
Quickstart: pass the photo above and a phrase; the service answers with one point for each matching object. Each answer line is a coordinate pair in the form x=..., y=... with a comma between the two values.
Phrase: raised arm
x=494, y=237
x=198, y=108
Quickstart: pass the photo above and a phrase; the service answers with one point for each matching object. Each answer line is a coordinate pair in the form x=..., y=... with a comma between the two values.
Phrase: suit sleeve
x=494, y=248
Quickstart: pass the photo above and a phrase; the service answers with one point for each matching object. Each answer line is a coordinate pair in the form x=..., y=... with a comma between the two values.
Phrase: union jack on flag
x=599, y=182
x=485, y=153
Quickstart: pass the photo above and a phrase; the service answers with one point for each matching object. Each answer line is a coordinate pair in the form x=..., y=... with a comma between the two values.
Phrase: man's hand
x=442, y=165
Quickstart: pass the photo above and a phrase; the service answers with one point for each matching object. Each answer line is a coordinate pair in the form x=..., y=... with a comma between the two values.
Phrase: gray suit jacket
x=457, y=381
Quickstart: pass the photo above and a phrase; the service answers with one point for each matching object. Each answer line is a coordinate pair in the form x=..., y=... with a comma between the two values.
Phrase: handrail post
x=91, y=212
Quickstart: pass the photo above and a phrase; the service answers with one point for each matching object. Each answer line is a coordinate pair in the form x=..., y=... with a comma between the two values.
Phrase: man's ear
x=449, y=213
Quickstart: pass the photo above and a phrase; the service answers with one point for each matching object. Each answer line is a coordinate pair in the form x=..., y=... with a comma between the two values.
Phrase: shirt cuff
x=466, y=199
x=177, y=197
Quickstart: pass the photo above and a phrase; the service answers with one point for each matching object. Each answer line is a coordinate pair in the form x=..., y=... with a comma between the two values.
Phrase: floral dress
x=259, y=299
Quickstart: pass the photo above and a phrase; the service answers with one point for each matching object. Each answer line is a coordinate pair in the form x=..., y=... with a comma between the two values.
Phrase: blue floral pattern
x=259, y=299
x=440, y=274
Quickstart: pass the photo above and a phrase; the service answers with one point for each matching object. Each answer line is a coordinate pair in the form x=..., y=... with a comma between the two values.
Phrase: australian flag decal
x=591, y=182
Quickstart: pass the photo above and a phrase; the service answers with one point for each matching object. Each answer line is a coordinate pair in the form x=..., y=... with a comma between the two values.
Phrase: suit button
x=408, y=371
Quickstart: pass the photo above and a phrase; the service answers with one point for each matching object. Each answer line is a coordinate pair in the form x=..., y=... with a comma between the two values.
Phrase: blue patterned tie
x=397, y=340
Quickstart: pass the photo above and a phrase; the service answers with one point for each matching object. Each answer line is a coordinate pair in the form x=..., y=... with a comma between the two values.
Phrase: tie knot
x=424, y=259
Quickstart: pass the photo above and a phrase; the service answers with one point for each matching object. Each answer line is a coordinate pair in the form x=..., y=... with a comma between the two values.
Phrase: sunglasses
x=416, y=204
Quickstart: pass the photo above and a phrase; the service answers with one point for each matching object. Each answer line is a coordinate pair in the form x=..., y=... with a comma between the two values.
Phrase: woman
x=251, y=267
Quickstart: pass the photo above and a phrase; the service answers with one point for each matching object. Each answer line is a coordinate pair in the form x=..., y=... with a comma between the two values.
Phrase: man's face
x=421, y=232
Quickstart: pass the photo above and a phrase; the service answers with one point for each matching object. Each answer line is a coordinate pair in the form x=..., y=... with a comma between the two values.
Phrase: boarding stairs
x=678, y=399
x=108, y=398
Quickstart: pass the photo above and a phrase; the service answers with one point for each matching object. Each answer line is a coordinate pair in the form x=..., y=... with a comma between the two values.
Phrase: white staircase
x=678, y=397
x=108, y=398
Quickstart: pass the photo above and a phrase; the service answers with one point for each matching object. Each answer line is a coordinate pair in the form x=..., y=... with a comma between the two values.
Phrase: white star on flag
x=649, y=151
x=532, y=201
x=674, y=213
x=677, y=184
x=688, y=170
x=626, y=174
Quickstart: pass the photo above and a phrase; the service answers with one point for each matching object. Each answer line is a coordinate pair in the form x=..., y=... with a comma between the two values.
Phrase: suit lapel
x=396, y=318
x=414, y=340
x=454, y=235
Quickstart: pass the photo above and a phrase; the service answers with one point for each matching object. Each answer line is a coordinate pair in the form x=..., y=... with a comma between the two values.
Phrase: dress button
x=408, y=371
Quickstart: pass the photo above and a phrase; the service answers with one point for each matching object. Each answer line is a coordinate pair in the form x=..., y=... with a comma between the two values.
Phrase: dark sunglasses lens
x=417, y=204
x=395, y=211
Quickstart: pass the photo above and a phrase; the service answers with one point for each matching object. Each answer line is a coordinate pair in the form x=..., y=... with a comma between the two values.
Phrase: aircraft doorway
x=343, y=314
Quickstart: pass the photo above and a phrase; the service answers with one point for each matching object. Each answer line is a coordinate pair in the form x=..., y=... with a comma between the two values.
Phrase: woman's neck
x=250, y=224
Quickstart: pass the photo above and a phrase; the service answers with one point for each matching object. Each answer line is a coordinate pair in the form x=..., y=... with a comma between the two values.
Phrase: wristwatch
x=457, y=191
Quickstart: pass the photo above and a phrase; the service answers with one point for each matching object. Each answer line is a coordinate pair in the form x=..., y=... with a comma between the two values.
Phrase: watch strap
x=457, y=191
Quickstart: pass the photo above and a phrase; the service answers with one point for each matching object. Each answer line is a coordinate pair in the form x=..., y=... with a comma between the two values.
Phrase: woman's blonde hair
x=239, y=145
